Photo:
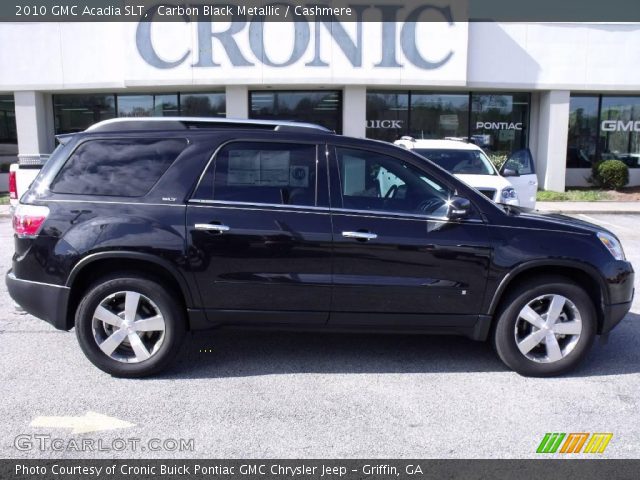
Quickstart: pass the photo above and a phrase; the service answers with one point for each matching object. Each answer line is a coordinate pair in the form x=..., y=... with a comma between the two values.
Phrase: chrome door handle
x=211, y=228
x=360, y=235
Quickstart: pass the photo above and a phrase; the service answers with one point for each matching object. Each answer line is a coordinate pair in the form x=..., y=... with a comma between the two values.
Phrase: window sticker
x=244, y=167
x=299, y=176
x=274, y=168
x=259, y=168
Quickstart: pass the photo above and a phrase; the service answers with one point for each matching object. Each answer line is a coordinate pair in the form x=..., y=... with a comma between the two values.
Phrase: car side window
x=262, y=172
x=127, y=167
x=373, y=181
x=521, y=162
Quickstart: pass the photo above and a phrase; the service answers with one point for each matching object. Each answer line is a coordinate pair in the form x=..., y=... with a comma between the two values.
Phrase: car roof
x=437, y=144
x=123, y=124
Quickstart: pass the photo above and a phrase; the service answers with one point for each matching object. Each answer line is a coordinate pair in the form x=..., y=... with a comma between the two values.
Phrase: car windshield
x=469, y=162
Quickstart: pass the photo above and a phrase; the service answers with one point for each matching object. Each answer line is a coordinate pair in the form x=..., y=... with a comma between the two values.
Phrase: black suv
x=137, y=231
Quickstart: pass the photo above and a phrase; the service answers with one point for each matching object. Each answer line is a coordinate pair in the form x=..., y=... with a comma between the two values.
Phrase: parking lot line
x=598, y=221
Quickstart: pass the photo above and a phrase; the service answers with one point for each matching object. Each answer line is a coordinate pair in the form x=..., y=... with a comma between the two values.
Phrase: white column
x=237, y=98
x=552, y=133
x=354, y=111
x=534, y=121
x=34, y=123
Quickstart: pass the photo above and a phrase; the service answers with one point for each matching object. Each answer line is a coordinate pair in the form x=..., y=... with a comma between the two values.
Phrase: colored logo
x=574, y=443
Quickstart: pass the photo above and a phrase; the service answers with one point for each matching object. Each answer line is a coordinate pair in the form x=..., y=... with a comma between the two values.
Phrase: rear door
x=259, y=233
x=525, y=180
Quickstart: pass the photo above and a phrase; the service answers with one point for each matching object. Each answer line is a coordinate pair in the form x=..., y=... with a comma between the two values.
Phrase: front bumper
x=620, y=280
x=43, y=300
x=613, y=315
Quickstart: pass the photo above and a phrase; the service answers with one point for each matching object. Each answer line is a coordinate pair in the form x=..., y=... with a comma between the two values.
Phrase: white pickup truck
x=23, y=173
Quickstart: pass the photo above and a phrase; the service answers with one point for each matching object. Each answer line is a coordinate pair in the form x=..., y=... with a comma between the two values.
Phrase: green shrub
x=611, y=174
x=498, y=158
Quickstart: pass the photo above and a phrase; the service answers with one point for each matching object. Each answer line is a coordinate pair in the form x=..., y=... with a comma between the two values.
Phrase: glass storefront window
x=165, y=105
x=321, y=107
x=7, y=119
x=74, y=113
x=147, y=105
x=499, y=122
x=387, y=115
x=435, y=115
x=135, y=105
x=391, y=115
x=203, y=104
x=8, y=135
x=620, y=130
x=603, y=127
x=583, y=131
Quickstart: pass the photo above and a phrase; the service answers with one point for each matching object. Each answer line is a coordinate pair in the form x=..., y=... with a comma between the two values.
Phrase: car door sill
x=469, y=325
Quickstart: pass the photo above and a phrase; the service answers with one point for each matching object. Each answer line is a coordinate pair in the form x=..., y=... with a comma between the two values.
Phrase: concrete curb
x=615, y=208
x=590, y=212
x=5, y=211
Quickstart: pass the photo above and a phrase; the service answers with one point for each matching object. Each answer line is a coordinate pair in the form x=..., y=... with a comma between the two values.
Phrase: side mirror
x=507, y=172
x=459, y=208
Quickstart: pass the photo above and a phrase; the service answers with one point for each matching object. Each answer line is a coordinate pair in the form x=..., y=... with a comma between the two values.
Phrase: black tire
x=172, y=312
x=504, y=333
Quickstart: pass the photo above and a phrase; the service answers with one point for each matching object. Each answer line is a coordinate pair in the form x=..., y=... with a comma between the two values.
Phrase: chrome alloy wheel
x=548, y=328
x=128, y=327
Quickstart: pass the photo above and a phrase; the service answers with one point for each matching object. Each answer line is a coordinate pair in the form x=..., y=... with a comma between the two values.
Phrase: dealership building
x=570, y=92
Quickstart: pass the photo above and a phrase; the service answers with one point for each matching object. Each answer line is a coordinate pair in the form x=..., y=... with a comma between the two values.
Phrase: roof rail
x=188, y=123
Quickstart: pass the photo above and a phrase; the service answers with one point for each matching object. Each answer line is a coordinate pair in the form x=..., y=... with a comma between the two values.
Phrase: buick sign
x=384, y=124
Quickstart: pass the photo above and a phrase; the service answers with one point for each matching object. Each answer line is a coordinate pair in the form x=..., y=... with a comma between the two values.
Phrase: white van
x=515, y=184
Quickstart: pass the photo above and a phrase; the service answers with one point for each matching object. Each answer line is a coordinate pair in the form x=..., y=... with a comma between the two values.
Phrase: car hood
x=484, y=181
x=555, y=221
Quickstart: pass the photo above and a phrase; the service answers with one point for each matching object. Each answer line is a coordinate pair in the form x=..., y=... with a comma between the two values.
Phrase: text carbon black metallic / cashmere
x=136, y=231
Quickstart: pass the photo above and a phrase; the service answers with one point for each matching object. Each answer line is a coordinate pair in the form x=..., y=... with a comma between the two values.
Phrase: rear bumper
x=43, y=300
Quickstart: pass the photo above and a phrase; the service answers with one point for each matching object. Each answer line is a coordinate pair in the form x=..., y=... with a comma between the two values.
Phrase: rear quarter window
x=126, y=167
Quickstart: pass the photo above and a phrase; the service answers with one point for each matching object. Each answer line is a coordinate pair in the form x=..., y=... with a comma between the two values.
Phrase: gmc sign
x=620, y=126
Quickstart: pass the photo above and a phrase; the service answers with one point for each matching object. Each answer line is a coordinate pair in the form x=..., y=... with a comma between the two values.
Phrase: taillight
x=28, y=219
x=13, y=186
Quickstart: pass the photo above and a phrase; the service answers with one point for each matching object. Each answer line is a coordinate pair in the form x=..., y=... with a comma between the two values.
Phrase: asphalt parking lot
x=285, y=395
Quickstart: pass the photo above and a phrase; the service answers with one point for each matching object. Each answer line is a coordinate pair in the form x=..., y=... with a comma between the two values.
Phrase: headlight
x=612, y=244
x=509, y=193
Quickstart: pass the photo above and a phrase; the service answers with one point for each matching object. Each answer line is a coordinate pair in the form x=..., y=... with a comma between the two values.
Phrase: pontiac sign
x=498, y=125
x=244, y=43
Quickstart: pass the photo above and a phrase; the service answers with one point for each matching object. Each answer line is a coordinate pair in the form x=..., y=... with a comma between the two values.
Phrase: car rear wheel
x=545, y=327
x=129, y=326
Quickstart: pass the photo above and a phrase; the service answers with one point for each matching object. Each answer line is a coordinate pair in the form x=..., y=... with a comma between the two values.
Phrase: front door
x=397, y=260
x=523, y=176
x=259, y=231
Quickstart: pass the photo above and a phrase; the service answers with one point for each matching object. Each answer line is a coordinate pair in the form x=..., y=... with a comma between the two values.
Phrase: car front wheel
x=545, y=327
x=129, y=326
